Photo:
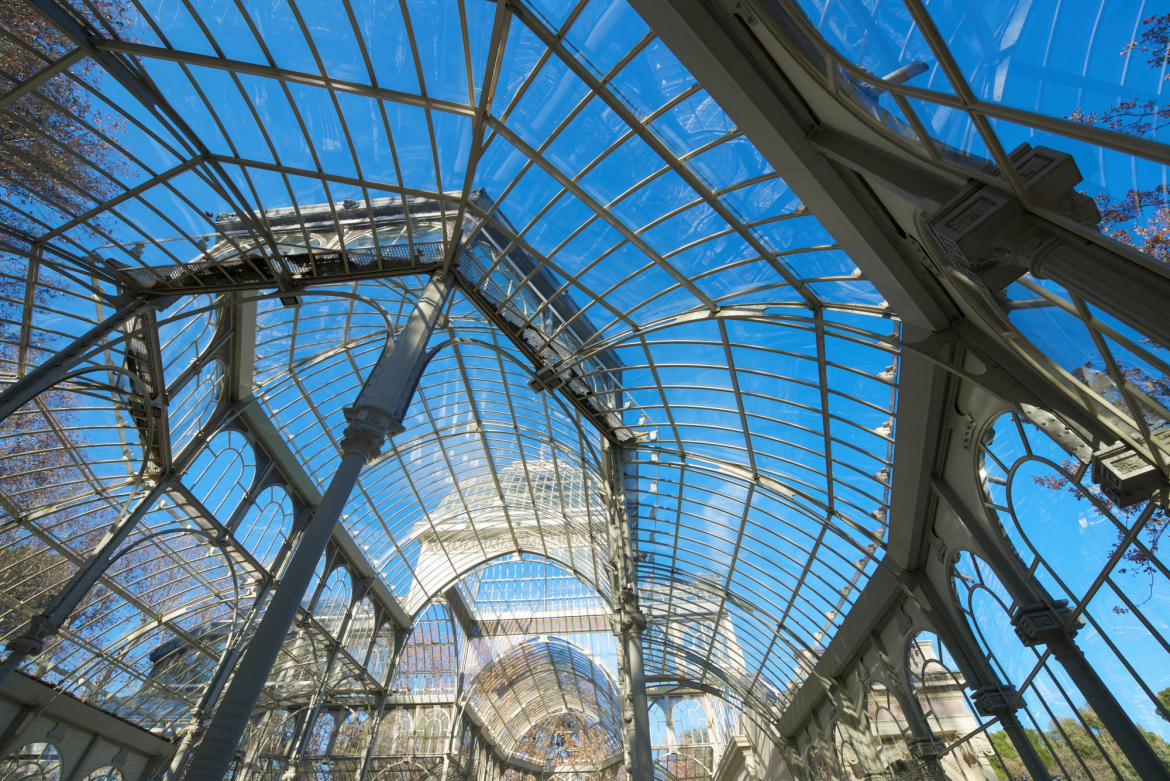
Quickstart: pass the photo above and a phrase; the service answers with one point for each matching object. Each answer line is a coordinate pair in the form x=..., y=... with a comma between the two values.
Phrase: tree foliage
x=55, y=154
x=56, y=161
x=1163, y=709
x=1074, y=748
x=1140, y=218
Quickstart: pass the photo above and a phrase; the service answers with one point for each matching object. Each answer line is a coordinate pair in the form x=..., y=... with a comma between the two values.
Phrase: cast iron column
x=378, y=411
x=629, y=621
x=1049, y=624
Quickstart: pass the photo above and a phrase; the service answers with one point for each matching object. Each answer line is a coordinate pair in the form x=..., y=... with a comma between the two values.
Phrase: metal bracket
x=997, y=700
x=927, y=749
x=548, y=378
x=1127, y=478
x=962, y=424
x=1039, y=623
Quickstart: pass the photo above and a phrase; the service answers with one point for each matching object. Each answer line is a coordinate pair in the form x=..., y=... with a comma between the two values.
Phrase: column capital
x=1041, y=623
x=32, y=641
x=367, y=429
x=997, y=700
x=630, y=615
x=985, y=231
x=927, y=749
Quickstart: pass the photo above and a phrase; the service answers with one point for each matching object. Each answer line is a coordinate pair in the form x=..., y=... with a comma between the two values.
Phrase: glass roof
x=629, y=268
x=969, y=87
x=535, y=682
x=631, y=275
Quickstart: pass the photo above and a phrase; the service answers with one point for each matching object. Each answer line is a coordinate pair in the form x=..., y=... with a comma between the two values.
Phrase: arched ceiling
x=631, y=268
x=520, y=690
x=612, y=232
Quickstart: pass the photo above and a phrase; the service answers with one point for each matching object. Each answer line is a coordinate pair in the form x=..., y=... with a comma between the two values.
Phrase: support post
x=194, y=729
x=297, y=753
x=1048, y=623
x=1003, y=702
x=61, y=363
x=377, y=412
x=1134, y=294
x=629, y=621
x=45, y=625
x=641, y=761
x=923, y=745
x=987, y=234
x=1129, y=738
x=991, y=696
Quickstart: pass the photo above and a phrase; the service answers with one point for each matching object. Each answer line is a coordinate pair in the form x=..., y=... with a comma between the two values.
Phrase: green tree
x=1163, y=709
x=1083, y=749
x=1007, y=763
x=1074, y=748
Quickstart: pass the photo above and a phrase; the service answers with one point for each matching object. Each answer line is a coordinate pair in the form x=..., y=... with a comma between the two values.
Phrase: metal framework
x=582, y=390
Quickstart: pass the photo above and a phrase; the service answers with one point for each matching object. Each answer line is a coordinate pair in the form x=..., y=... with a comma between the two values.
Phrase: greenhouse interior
x=584, y=390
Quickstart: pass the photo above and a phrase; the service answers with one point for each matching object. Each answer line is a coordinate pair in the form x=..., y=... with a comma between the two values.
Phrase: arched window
x=381, y=654
x=428, y=663
x=890, y=733
x=659, y=734
x=107, y=773
x=847, y=757
x=401, y=771
x=692, y=736
x=942, y=695
x=318, y=743
x=1067, y=732
x=183, y=341
x=271, y=731
x=361, y=630
x=432, y=731
x=266, y=525
x=682, y=767
x=352, y=735
x=32, y=762
x=1102, y=559
x=690, y=723
x=192, y=405
x=333, y=601
x=222, y=473
x=394, y=734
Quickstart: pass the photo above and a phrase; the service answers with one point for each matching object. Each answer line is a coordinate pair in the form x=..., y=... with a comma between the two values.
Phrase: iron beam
x=710, y=46
x=45, y=625
x=40, y=77
x=377, y=412
x=61, y=363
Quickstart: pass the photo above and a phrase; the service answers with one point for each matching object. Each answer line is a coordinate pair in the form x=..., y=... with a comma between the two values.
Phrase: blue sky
x=636, y=239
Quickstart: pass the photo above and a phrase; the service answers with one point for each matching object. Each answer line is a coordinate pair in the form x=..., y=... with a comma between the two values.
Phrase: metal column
x=194, y=729
x=629, y=621
x=991, y=696
x=641, y=760
x=377, y=412
x=1129, y=738
x=1134, y=293
x=1049, y=623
